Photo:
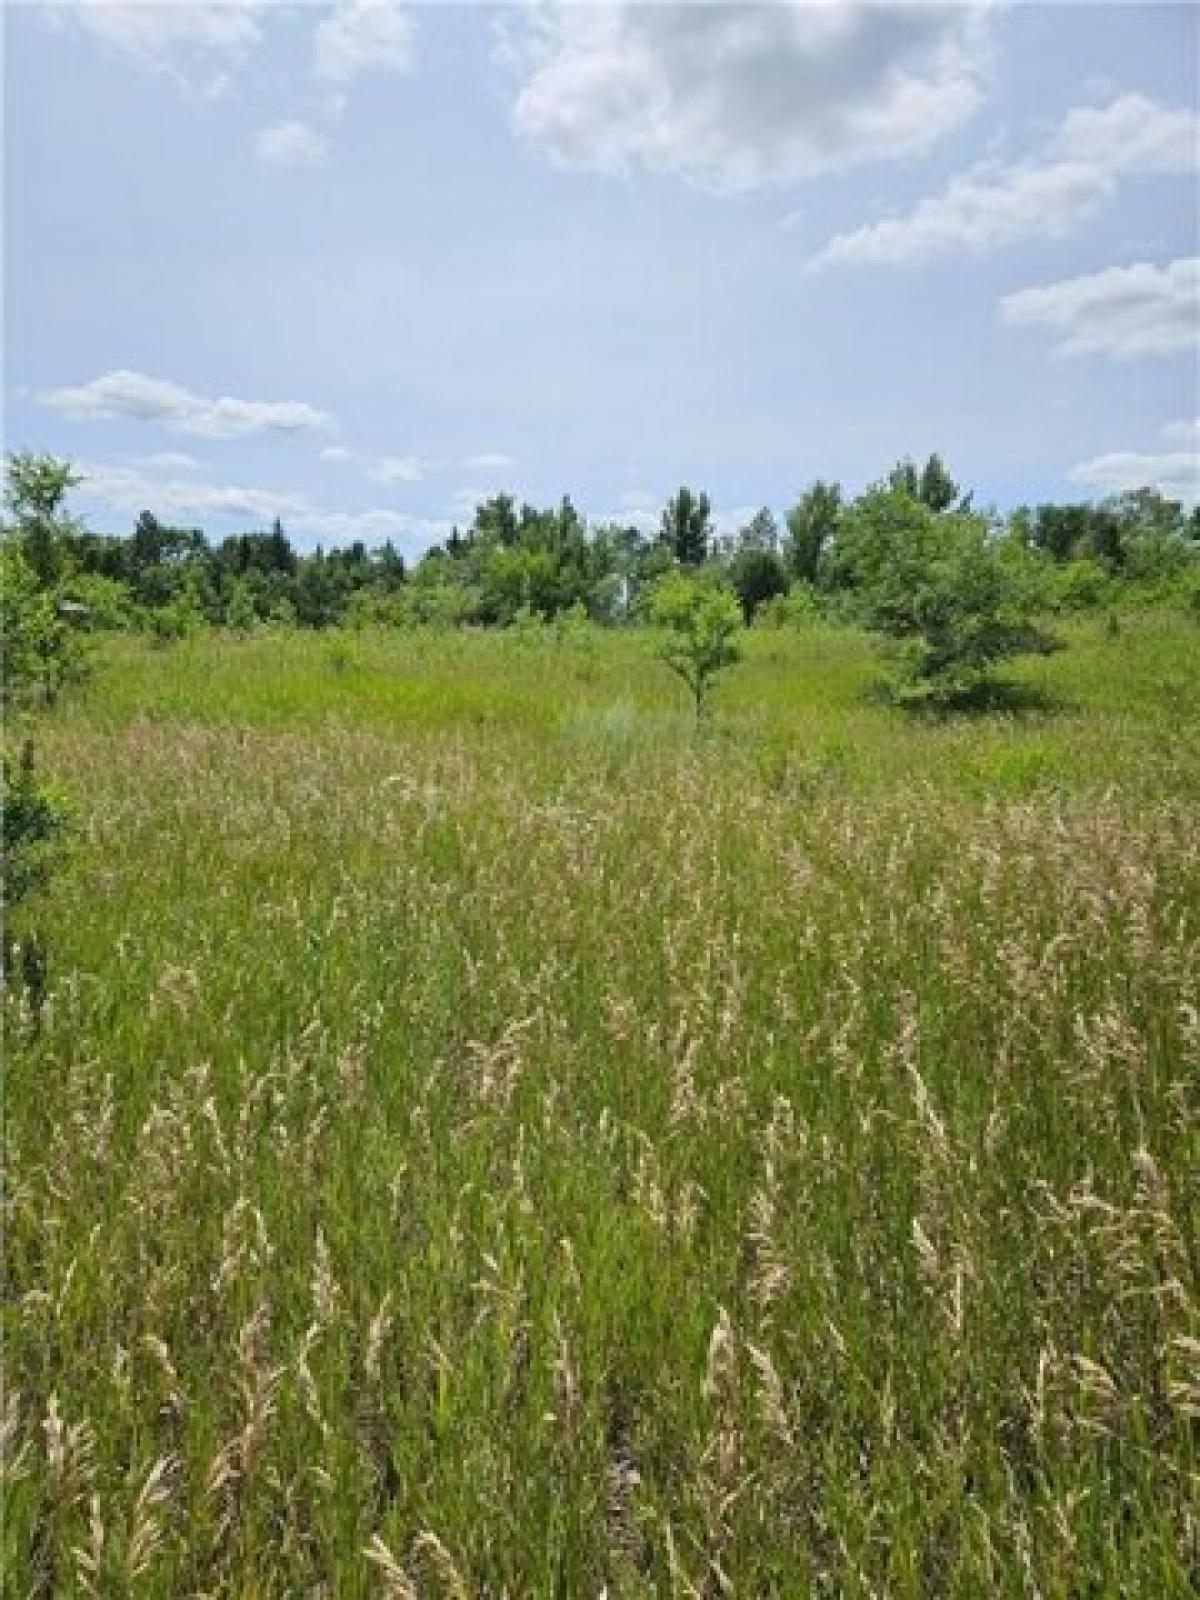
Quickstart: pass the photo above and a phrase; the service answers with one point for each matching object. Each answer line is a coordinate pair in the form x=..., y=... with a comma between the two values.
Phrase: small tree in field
x=40, y=623
x=956, y=599
x=241, y=616
x=702, y=626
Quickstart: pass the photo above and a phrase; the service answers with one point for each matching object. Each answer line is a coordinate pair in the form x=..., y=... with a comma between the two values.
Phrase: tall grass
x=482, y=1141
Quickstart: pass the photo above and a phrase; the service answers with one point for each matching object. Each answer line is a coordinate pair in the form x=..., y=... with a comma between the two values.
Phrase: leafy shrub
x=701, y=623
x=178, y=619
x=800, y=607
x=31, y=821
x=44, y=649
x=1079, y=585
x=954, y=599
x=106, y=604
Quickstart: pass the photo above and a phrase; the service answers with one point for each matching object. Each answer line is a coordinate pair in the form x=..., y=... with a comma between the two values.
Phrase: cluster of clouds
x=171, y=481
x=203, y=43
x=732, y=96
x=725, y=97
x=200, y=37
x=1175, y=471
x=1048, y=195
x=136, y=397
x=172, y=485
x=1122, y=312
x=415, y=469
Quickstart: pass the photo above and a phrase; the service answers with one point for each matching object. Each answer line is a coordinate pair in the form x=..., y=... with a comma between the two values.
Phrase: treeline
x=521, y=562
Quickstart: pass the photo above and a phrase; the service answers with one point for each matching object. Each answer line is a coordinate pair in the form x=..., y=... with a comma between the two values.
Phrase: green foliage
x=1157, y=556
x=35, y=487
x=40, y=629
x=761, y=533
x=957, y=600
x=758, y=576
x=106, y=603
x=932, y=485
x=241, y=615
x=1139, y=534
x=179, y=618
x=812, y=525
x=41, y=624
x=800, y=607
x=514, y=560
x=1187, y=590
x=937, y=489
x=32, y=819
x=701, y=627
x=687, y=527
x=1081, y=584
x=517, y=579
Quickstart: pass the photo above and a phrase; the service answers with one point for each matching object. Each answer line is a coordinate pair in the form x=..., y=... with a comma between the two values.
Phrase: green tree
x=35, y=489
x=40, y=631
x=812, y=525
x=687, y=527
x=241, y=615
x=937, y=488
x=701, y=627
x=905, y=479
x=757, y=575
x=955, y=599
x=760, y=533
x=496, y=520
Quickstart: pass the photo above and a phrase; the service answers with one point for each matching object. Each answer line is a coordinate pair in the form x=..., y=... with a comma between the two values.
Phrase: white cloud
x=170, y=35
x=171, y=461
x=136, y=397
x=133, y=489
x=368, y=525
x=130, y=489
x=362, y=36
x=486, y=460
x=1123, y=312
x=730, y=96
x=1044, y=197
x=1174, y=473
x=1132, y=134
x=291, y=144
x=398, y=469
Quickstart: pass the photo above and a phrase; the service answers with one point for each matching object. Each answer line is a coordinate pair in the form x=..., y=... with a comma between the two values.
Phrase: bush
x=1080, y=585
x=800, y=607
x=41, y=631
x=955, y=600
x=31, y=821
x=177, y=620
x=107, y=606
x=758, y=577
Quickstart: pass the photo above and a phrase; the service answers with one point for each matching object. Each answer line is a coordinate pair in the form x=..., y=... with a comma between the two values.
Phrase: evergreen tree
x=687, y=527
x=937, y=488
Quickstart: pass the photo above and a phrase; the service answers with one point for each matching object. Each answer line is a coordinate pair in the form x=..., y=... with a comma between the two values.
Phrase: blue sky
x=359, y=263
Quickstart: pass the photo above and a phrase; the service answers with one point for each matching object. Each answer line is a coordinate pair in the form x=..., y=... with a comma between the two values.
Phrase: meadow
x=485, y=1137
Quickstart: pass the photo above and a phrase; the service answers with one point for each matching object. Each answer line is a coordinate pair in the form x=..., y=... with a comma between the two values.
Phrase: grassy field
x=482, y=1139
